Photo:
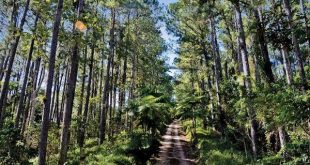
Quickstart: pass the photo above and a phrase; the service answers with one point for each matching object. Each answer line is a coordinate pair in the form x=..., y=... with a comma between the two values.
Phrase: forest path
x=174, y=149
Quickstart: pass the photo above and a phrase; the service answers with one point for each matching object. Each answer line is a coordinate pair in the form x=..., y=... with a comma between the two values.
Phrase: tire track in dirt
x=174, y=147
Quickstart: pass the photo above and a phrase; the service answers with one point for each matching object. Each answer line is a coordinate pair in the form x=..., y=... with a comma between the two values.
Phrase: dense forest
x=90, y=82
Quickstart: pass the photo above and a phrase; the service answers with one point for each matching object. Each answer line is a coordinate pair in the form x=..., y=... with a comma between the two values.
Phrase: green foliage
x=108, y=153
x=282, y=105
x=189, y=107
x=13, y=149
x=213, y=149
x=151, y=112
x=142, y=146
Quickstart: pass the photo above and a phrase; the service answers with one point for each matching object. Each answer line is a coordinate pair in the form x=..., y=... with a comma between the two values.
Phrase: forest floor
x=174, y=149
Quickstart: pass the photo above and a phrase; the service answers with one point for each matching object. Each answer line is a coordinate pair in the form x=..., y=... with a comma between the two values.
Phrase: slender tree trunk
x=211, y=98
x=303, y=11
x=217, y=73
x=23, y=90
x=70, y=93
x=123, y=89
x=88, y=93
x=53, y=96
x=289, y=80
x=26, y=111
x=114, y=99
x=13, y=22
x=93, y=93
x=101, y=70
x=63, y=97
x=246, y=72
x=133, y=76
x=284, y=51
x=209, y=83
x=255, y=48
x=15, y=43
x=49, y=85
x=107, y=81
x=79, y=113
x=4, y=64
x=287, y=65
x=234, y=53
x=287, y=8
x=260, y=33
x=111, y=110
x=34, y=93
x=58, y=86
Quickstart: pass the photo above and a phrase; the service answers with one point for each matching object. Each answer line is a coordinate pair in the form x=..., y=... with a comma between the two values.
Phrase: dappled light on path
x=174, y=148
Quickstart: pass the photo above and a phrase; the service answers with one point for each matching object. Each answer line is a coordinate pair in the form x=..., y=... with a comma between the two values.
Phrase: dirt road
x=174, y=148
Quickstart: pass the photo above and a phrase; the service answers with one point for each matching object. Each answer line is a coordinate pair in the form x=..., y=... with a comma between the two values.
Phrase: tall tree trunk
x=63, y=96
x=24, y=86
x=260, y=33
x=88, y=93
x=70, y=93
x=287, y=65
x=246, y=72
x=209, y=83
x=114, y=97
x=34, y=93
x=282, y=138
x=93, y=93
x=217, y=72
x=284, y=51
x=58, y=86
x=234, y=53
x=123, y=89
x=255, y=56
x=304, y=12
x=287, y=8
x=255, y=50
x=111, y=110
x=80, y=108
x=289, y=80
x=107, y=81
x=3, y=65
x=49, y=85
x=101, y=70
x=54, y=96
x=26, y=111
x=15, y=43
x=13, y=22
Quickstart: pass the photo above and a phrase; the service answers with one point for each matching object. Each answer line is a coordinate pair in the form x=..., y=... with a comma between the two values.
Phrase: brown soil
x=174, y=149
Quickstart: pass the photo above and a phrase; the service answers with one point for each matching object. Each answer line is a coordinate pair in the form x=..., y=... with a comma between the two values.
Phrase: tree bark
x=88, y=93
x=34, y=93
x=287, y=65
x=217, y=73
x=80, y=108
x=70, y=93
x=287, y=8
x=260, y=33
x=54, y=96
x=23, y=90
x=15, y=43
x=107, y=81
x=303, y=11
x=246, y=72
x=63, y=96
x=49, y=85
x=56, y=110
x=123, y=89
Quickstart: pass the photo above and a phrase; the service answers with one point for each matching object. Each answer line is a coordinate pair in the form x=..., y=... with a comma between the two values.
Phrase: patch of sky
x=171, y=41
